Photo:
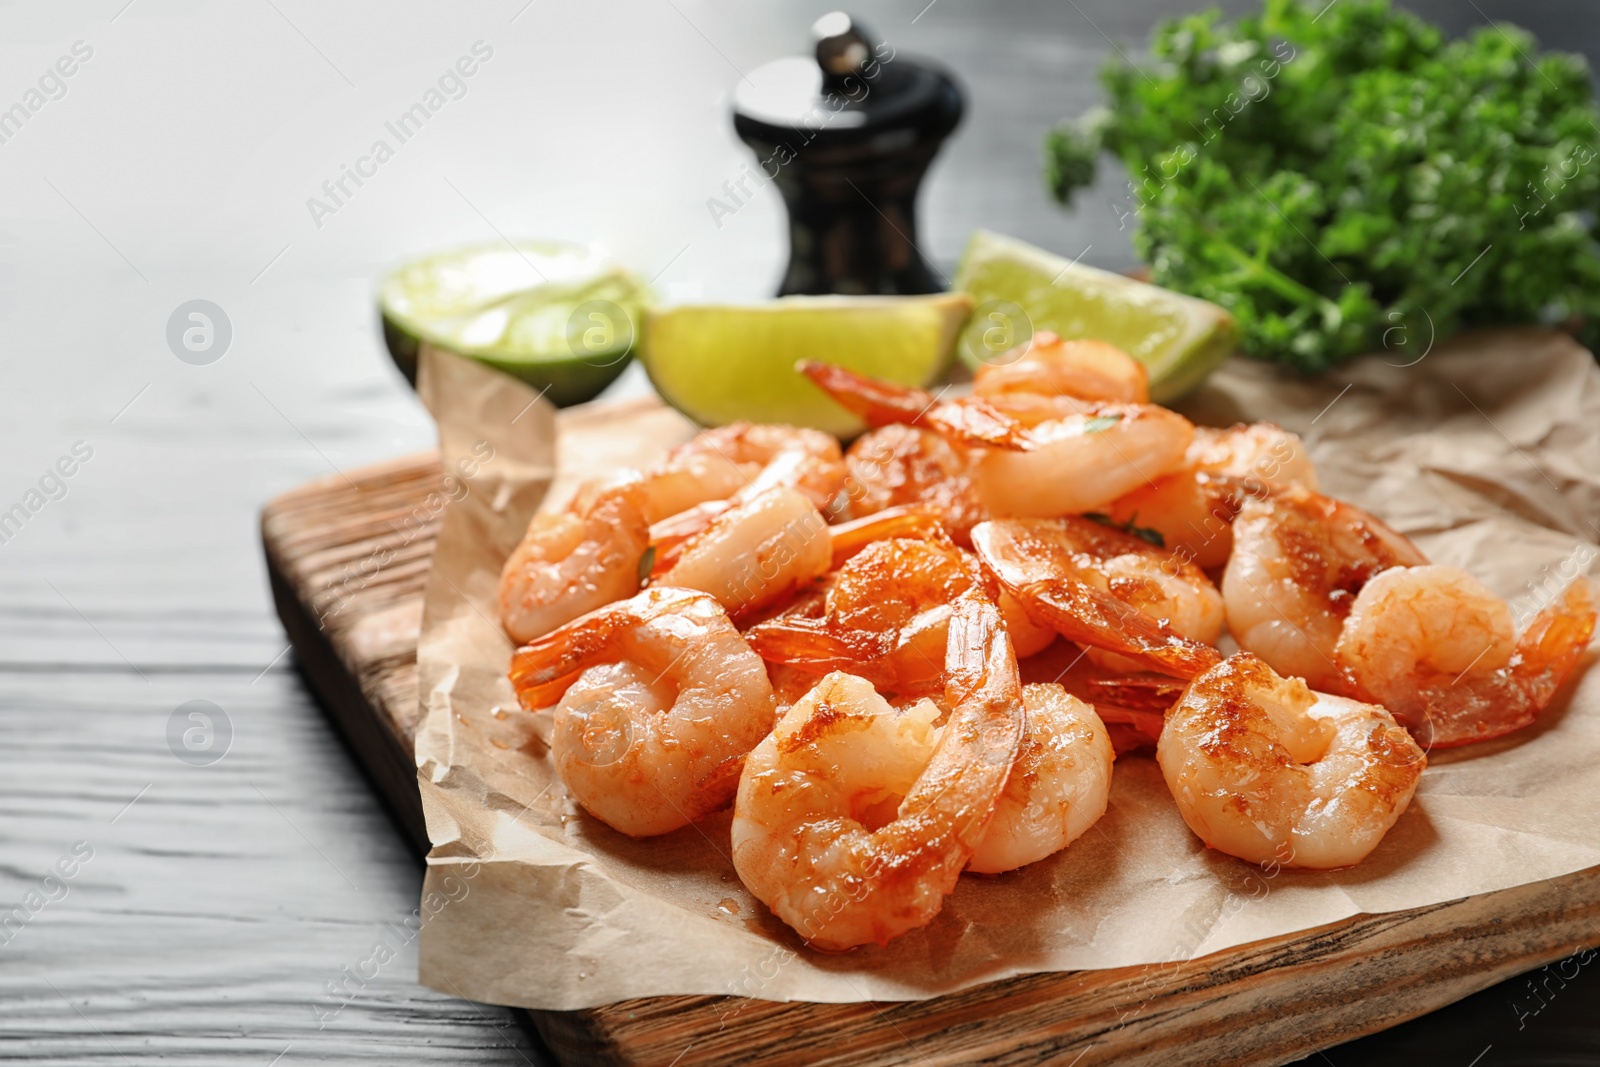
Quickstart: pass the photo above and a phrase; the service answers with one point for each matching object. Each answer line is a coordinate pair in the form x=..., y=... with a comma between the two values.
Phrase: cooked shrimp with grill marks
x=1107, y=590
x=717, y=463
x=1265, y=769
x=886, y=615
x=657, y=700
x=1058, y=788
x=1193, y=508
x=1440, y=651
x=1058, y=466
x=901, y=465
x=1299, y=560
x=572, y=562
x=753, y=554
x=852, y=823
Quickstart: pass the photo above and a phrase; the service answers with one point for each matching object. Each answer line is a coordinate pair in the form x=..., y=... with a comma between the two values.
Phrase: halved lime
x=720, y=363
x=559, y=316
x=1017, y=288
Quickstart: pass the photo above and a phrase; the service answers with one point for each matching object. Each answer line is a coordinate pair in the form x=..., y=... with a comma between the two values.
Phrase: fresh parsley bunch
x=1342, y=179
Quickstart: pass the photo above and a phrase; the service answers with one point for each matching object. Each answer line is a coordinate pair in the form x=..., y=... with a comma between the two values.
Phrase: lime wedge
x=556, y=315
x=718, y=364
x=1017, y=288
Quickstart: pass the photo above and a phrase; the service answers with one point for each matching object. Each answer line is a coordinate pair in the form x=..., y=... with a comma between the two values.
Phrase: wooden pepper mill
x=847, y=136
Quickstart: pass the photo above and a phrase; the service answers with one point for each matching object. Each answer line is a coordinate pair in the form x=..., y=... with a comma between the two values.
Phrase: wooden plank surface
x=1300, y=992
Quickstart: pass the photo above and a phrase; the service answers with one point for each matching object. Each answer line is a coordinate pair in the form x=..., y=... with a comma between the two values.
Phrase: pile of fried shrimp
x=830, y=639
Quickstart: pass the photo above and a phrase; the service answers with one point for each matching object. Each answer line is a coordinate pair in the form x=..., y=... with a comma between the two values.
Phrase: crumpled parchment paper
x=1486, y=452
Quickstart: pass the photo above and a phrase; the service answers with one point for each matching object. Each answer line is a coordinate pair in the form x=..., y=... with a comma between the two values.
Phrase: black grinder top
x=847, y=136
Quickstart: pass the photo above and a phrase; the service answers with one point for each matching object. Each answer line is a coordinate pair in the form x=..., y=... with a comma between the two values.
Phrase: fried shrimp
x=1265, y=769
x=1106, y=589
x=572, y=562
x=1259, y=450
x=1058, y=788
x=1299, y=560
x=1079, y=461
x=717, y=463
x=851, y=823
x=755, y=552
x=1440, y=651
x=1082, y=462
x=659, y=701
x=1049, y=366
x=1193, y=508
x=885, y=617
x=900, y=465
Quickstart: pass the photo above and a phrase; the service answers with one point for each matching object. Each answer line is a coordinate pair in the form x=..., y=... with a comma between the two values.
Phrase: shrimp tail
x=879, y=402
x=1546, y=654
x=543, y=669
x=671, y=535
x=1084, y=614
x=970, y=421
x=1130, y=730
x=917, y=523
x=814, y=644
x=983, y=686
x=1554, y=641
x=814, y=648
x=1448, y=712
x=1132, y=706
x=1136, y=692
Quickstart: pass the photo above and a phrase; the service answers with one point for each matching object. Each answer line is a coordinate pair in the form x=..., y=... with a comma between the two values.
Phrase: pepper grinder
x=847, y=137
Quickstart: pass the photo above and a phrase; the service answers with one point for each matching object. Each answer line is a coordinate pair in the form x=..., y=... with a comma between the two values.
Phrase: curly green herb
x=1342, y=179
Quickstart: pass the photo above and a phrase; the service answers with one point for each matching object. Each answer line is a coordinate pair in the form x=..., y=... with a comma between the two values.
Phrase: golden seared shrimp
x=1082, y=462
x=1049, y=366
x=885, y=617
x=927, y=524
x=789, y=469
x=659, y=701
x=572, y=562
x=1059, y=466
x=1254, y=450
x=754, y=553
x=1440, y=651
x=1265, y=769
x=899, y=465
x=1058, y=788
x=1298, y=561
x=1191, y=512
x=1140, y=574
x=1108, y=590
x=851, y=823
x=1193, y=508
x=717, y=463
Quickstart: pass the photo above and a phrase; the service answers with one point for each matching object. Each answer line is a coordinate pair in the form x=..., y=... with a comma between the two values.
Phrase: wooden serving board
x=1264, y=1003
